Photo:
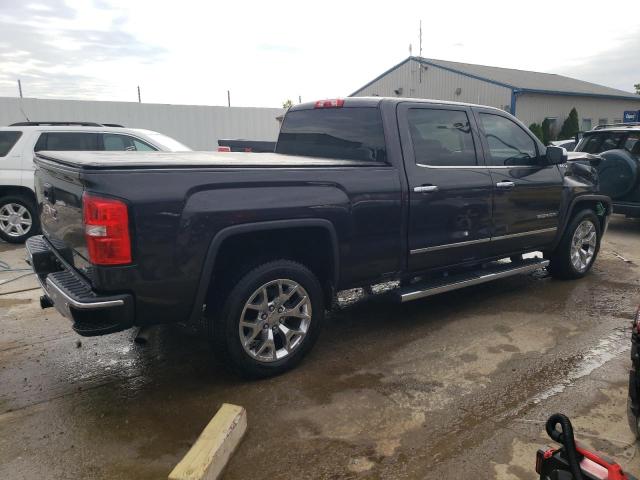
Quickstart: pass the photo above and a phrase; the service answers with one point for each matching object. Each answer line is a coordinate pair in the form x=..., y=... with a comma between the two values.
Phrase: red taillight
x=106, y=230
x=224, y=149
x=333, y=103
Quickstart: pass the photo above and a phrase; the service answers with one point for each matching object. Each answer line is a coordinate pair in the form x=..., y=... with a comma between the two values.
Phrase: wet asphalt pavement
x=456, y=386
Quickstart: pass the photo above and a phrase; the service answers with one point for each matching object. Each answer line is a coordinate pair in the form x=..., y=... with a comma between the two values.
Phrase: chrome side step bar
x=456, y=282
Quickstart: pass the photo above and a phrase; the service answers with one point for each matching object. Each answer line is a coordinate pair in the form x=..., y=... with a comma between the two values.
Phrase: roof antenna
x=421, y=38
x=20, y=104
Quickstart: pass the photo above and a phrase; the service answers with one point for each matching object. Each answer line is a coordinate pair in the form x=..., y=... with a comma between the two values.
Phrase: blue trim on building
x=515, y=91
x=514, y=98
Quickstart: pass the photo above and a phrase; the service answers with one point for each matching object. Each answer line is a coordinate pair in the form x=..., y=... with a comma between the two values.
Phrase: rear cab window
x=8, y=138
x=350, y=133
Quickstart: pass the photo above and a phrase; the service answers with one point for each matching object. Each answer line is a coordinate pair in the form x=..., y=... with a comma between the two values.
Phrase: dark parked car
x=254, y=246
x=619, y=170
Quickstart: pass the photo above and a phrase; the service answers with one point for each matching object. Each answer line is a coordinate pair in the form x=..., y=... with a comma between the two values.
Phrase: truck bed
x=110, y=160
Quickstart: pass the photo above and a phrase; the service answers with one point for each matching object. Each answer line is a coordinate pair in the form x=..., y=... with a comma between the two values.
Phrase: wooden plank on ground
x=209, y=455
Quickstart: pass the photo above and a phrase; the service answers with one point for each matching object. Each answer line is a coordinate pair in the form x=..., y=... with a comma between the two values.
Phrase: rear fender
x=206, y=275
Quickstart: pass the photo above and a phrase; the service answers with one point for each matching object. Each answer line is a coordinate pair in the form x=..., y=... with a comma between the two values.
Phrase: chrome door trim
x=449, y=245
x=481, y=240
x=481, y=167
x=524, y=234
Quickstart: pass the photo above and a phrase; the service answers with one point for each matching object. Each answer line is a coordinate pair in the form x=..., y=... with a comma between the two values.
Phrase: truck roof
x=110, y=160
x=375, y=101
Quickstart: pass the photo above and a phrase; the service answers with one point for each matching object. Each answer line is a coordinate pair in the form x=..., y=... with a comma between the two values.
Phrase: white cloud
x=266, y=52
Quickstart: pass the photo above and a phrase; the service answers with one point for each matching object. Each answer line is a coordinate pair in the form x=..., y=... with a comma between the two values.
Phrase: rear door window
x=7, y=140
x=70, y=141
x=351, y=133
x=441, y=138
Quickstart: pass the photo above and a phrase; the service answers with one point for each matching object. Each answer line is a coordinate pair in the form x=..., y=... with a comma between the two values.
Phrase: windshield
x=168, y=143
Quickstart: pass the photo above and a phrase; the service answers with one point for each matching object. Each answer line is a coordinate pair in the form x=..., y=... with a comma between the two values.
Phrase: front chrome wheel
x=275, y=320
x=583, y=245
x=15, y=219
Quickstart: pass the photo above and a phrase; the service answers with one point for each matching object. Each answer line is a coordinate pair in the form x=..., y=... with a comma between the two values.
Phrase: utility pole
x=420, y=66
x=299, y=98
x=228, y=98
x=20, y=87
x=139, y=98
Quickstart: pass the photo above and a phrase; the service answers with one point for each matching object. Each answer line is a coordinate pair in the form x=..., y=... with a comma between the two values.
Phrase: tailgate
x=59, y=191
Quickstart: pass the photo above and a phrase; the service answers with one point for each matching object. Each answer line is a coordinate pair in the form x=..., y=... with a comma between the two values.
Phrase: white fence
x=199, y=127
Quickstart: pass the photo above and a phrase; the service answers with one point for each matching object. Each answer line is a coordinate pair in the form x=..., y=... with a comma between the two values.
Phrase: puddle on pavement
x=607, y=349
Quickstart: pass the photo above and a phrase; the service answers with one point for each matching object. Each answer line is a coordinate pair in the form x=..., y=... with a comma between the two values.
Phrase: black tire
x=561, y=265
x=10, y=234
x=224, y=325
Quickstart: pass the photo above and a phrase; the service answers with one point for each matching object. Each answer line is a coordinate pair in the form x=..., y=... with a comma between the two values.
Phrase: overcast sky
x=191, y=52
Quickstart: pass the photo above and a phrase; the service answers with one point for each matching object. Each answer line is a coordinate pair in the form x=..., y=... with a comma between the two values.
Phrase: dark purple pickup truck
x=253, y=247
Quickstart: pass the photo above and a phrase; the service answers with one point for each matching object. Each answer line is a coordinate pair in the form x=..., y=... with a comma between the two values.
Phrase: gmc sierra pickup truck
x=253, y=247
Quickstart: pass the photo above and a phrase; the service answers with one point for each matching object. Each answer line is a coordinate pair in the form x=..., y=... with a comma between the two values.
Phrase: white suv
x=18, y=212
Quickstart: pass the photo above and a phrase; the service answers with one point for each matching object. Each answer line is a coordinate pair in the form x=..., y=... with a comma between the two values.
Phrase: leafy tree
x=287, y=104
x=547, y=134
x=637, y=87
x=536, y=129
x=570, y=127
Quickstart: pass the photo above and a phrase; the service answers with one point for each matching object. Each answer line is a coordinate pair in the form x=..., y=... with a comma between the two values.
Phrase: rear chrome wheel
x=275, y=320
x=583, y=245
x=267, y=318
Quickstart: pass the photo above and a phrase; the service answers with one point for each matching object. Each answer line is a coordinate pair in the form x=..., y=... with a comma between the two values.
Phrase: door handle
x=505, y=185
x=426, y=189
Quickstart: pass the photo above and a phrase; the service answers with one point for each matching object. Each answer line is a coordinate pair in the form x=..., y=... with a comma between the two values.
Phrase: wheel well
x=310, y=246
x=592, y=205
x=6, y=191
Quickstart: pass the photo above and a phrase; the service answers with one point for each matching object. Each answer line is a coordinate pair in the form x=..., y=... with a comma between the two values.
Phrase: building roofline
x=516, y=90
x=460, y=72
x=381, y=75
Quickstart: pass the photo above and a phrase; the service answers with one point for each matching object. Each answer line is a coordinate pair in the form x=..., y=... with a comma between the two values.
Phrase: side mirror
x=556, y=155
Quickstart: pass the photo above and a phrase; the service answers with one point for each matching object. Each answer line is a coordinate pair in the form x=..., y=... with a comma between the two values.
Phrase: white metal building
x=198, y=127
x=531, y=96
